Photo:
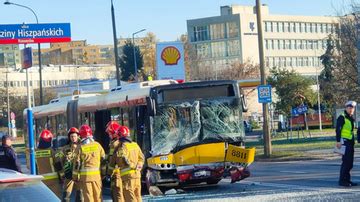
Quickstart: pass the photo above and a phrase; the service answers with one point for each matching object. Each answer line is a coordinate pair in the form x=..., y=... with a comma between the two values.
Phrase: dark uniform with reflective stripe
x=344, y=131
x=8, y=159
x=45, y=162
x=129, y=158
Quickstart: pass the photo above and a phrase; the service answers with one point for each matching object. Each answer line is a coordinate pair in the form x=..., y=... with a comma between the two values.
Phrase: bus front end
x=197, y=135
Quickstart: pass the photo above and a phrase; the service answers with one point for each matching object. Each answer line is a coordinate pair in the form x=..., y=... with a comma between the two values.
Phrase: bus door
x=72, y=114
x=142, y=136
x=101, y=119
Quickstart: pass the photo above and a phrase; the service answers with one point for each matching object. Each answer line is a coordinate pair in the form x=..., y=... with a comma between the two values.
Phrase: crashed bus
x=189, y=133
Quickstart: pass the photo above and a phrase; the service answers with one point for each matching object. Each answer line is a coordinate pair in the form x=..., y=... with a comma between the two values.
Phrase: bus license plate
x=202, y=173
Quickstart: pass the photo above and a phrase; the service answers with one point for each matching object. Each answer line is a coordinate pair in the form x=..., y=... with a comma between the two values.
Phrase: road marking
x=295, y=172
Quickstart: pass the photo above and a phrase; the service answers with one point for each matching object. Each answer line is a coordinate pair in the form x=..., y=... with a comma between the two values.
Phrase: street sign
x=35, y=33
x=264, y=94
x=26, y=58
x=299, y=110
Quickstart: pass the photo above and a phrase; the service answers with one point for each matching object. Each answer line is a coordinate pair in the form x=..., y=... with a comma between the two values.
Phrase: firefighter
x=67, y=158
x=87, y=161
x=112, y=129
x=47, y=164
x=129, y=158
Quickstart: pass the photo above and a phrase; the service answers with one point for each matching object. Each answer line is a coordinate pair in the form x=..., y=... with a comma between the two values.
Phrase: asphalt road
x=278, y=181
x=275, y=181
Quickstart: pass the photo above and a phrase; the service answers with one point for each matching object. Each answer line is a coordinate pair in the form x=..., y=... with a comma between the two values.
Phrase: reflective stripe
x=127, y=172
x=89, y=148
x=89, y=171
x=50, y=176
x=52, y=164
x=43, y=153
x=117, y=170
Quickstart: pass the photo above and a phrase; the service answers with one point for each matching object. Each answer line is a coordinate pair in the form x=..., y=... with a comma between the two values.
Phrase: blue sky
x=91, y=19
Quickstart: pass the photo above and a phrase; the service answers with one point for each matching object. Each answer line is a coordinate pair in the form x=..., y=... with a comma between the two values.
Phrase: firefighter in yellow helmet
x=47, y=164
x=67, y=155
x=129, y=158
x=86, y=169
x=112, y=129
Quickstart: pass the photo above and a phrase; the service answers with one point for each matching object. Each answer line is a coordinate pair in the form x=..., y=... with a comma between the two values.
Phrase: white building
x=293, y=42
x=59, y=75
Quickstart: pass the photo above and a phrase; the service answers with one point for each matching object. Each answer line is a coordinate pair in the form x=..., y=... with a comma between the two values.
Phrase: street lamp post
x=39, y=48
x=116, y=54
x=30, y=122
x=135, y=63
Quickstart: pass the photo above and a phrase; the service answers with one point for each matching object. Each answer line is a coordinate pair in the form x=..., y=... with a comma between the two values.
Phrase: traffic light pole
x=266, y=128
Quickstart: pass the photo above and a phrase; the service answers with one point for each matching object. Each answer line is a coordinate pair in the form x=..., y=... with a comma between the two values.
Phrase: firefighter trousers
x=132, y=189
x=68, y=188
x=117, y=190
x=91, y=191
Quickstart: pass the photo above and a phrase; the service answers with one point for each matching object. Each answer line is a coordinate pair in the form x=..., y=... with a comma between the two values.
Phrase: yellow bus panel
x=201, y=154
x=240, y=155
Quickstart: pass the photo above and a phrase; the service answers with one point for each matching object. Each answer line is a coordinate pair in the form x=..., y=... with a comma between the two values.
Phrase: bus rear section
x=197, y=134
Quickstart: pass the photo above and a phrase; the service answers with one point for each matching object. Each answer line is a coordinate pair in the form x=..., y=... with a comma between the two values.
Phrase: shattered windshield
x=192, y=122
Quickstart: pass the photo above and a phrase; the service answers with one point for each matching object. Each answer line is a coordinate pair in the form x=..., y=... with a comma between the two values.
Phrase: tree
x=192, y=71
x=238, y=71
x=149, y=55
x=339, y=81
x=127, y=63
x=292, y=89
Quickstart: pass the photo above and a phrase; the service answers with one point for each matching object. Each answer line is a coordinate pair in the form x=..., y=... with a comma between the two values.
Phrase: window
x=276, y=62
x=276, y=44
x=281, y=44
x=234, y=47
x=271, y=44
x=293, y=61
x=286, y=27
x=267, y=44
x=201, y=33
x=283, y=62
x=203, y=50
x=217, y=31
x=310, y=44
x=268, y=27
x=297, y=27
x=292, y=27
x=287, y=44
x=318, y=27
x=275, y=27
x=281, y=27
x=299, y=44
x=302, y=27
x=288, y=62
x=303, y=44
x=308, y=27
x=218, y=49
x=292, y=44
x=232, y=29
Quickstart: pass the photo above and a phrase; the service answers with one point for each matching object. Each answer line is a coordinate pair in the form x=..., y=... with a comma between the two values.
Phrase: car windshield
x=26, y=192
x=185, y=123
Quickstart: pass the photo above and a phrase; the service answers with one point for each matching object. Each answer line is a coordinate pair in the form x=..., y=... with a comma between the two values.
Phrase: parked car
x=248, y=127
x=18, y=187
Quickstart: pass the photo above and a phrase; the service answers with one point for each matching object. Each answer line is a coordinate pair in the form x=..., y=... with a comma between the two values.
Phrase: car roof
x=8, y=176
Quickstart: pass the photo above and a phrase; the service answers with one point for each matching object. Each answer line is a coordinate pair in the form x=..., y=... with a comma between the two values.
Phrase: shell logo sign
x=170, y=55
x=170, y=62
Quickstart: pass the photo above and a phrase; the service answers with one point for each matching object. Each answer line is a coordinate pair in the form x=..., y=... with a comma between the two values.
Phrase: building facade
x=10, y=56
x=293, y=42
x=76, y=53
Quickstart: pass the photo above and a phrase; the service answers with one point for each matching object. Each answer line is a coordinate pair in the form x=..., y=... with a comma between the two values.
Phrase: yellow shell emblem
x=170, y=55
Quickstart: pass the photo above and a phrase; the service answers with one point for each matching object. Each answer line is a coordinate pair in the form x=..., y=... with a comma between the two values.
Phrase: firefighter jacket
x=88, y=157
x=67, y=155
x=129, y=158
x=48, y=165
x=114, y=144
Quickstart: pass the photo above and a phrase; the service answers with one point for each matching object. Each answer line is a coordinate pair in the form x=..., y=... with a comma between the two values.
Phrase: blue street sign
x=299, y=110
x=26, y=58
x=264, y=94
x=35, y=33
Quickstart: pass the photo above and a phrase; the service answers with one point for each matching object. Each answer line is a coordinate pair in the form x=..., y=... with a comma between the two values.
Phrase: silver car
x=18, y=187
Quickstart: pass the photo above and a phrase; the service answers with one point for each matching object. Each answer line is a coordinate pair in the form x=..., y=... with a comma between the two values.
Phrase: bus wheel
x=213, y=181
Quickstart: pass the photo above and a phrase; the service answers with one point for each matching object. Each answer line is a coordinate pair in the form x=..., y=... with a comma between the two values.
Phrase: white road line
x=295, y=172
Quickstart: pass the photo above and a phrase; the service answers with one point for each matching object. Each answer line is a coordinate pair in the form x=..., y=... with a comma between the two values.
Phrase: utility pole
x=116, y=54
x=8, y=101
x=266, y=128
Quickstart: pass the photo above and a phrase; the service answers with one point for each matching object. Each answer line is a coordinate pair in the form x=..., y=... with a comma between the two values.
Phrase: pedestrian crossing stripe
x=89, y=148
